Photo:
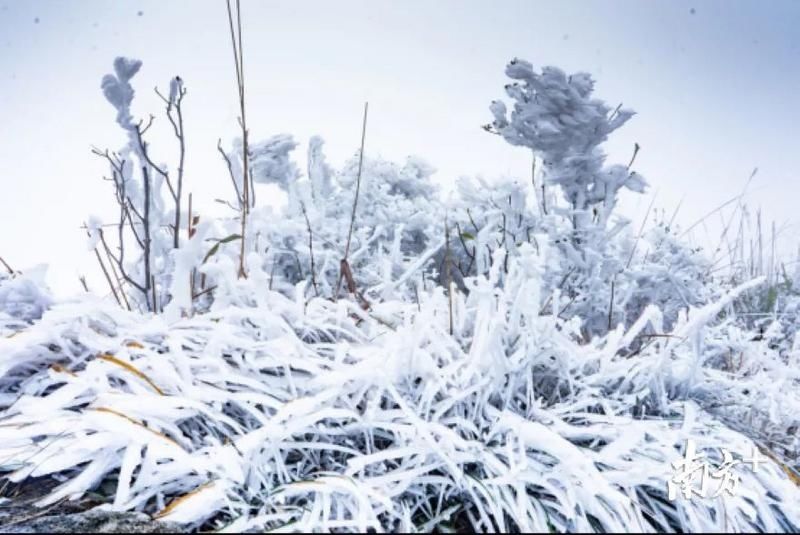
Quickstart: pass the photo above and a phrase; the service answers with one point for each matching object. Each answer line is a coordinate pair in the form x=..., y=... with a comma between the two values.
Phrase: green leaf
x=467, y=236
x=771, y=298
x=211, y=252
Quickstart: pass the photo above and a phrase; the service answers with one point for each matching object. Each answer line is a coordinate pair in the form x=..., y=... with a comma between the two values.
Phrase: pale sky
x=715, y=85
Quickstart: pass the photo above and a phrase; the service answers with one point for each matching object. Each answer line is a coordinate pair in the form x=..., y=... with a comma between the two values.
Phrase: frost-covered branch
x=142, y=212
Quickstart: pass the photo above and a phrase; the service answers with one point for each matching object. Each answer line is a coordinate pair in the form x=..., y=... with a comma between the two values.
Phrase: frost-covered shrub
x=24, y=296
x=398, y=218
x=556, y=117
x=149, y=202
x=488, y=216
x=270, y=163
x=602, y=274
x=667, y=272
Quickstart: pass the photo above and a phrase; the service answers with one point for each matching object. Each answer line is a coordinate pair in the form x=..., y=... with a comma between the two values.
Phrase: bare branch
x=119, y=261
x=143, y=151
x=108, y=277
x=174, y=114
x=230, y=172
x=8, y=268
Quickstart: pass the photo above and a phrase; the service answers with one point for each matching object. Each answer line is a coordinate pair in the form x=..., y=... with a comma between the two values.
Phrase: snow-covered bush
x=603, y=274
x=556, y=117
x=148, y=226
x=398, y=218
x=666, y=272
x=23, y=296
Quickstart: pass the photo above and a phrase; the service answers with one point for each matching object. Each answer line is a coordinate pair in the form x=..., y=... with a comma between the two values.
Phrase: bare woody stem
x=174, y=113
x=175, y=116
x=179, y=133
x=448, y=273
x=310, y=250
x=147, y=276
x=117, y=278
x=344, y=263
x=108, y=277
x=358, y=181
x=238, y=58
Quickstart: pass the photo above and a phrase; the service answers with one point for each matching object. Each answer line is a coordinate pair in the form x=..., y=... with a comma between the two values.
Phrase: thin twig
x=203, y=292
x=641, y=230
x=723, y=205
x=238, y=58
x=358, y=182
x=119, y=261
x=190, y=233
x=448, y=273
x=177, y=127
x=611, y=301
x=560, y=285
x=310, y=249
x=8, y=268
x=635, y=152
x=229, y=164
x=118, y=280
x=147, y=242
x=108, y=277
x=344, y=266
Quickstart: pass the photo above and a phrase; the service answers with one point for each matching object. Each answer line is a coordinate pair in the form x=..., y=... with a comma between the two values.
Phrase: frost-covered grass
x=278, y=413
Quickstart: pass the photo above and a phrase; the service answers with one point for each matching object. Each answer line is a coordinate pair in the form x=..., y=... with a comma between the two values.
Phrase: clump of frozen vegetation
x=23, y=297
x=515, y=358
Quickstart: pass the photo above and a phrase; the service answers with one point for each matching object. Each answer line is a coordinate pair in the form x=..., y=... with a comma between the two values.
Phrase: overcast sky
x=715, y=85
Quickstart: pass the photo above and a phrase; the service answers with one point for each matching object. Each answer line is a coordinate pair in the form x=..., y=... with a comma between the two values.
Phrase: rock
x=94, y=521
x=19, y=514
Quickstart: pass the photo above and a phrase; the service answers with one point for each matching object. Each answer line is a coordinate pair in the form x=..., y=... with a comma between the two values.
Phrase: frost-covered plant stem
x=126, y=207
x=175, y=115
x=236, y=42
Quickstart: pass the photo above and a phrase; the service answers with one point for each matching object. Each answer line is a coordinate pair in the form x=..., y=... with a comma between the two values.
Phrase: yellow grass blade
x=58, y=368
x=180, y=499
x=130, y=368
x=793, y=476
x=135, y=422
